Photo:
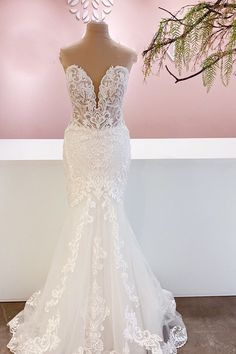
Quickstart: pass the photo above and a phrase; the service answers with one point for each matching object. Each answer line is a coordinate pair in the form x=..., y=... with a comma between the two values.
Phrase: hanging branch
x=203, y=35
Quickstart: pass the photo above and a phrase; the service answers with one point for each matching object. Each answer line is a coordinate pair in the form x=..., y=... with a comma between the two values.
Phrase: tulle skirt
x=100, y=295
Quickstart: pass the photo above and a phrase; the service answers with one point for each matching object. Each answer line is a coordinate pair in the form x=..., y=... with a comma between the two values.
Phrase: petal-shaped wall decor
x=95, y=4
x=78, y=15
x=87, y=10
x=107, y=11
x=86, y=4
x=73, y=2
x=73, y=11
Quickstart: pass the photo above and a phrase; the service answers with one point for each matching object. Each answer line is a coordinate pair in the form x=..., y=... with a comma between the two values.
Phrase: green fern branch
x=203, y=35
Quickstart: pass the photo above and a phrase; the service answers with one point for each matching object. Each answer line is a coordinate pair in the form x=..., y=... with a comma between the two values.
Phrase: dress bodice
x=87, y=112
x=96, y=149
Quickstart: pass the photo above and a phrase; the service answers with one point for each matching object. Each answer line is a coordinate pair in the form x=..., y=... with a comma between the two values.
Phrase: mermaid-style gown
x=100, y=295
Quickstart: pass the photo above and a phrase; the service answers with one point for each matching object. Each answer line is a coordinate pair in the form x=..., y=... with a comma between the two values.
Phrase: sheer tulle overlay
x=100, y=295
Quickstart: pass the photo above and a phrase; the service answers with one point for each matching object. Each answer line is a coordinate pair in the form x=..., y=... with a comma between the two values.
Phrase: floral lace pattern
x=96, y=162
x=96, y=157
x=68, y=268
x=37, y=344
x=98, y=310
x=34, y=298
x=143, y=338
x=120, y=262
x=86, y=112
x=96, y=151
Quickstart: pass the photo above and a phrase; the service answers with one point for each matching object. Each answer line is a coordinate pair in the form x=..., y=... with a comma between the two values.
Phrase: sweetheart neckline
x=96, y=97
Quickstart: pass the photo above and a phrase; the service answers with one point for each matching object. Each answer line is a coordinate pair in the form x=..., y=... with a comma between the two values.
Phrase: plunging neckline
x=96, y=97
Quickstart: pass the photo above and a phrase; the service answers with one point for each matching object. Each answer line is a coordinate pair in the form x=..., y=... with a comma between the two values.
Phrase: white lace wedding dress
x=100, y=295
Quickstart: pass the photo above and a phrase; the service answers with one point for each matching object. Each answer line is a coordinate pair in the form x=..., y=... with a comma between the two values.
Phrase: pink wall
x=34, y=102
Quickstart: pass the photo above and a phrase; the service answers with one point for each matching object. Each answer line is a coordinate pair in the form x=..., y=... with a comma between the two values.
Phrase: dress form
x=96, y=52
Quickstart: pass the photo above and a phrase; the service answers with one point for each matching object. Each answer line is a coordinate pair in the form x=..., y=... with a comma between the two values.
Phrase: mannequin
x=96, y=52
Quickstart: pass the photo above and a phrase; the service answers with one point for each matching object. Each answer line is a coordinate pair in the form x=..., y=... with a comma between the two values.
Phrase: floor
x=210, y=321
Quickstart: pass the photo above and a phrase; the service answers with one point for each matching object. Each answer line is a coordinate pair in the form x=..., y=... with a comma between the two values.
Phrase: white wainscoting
x=180, y=200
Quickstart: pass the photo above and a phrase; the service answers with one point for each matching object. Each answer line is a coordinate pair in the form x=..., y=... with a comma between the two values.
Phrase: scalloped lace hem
x=177, y=339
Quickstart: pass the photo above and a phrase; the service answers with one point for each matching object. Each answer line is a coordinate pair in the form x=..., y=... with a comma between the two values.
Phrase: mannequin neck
x=96, y=31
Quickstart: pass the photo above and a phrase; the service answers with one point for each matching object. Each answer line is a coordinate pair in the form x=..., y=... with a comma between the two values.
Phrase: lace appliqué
x=152, y=341
x=120, y=263
x=143, y=338
x=96, y=149
x=178, y=337
x=68, y=268
x=33, y=300
x=86, y=112
x=37, y=345
x=81, y=350
x=97, y=308
x=97, y=311
x=96, y=162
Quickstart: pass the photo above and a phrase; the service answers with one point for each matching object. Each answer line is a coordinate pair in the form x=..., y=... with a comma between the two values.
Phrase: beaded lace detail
x=86, y=111
x=99, y=163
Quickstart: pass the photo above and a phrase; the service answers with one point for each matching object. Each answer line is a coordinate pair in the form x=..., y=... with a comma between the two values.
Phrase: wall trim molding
x=177, y=148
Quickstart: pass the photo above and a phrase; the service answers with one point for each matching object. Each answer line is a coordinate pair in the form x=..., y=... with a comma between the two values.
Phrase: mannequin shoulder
x=135, y=56
x=129, y=52
x=64, y=52
x=67, y=52
x=62, y=57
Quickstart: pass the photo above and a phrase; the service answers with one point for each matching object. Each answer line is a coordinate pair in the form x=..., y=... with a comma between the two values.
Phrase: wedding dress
x=100, y=295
